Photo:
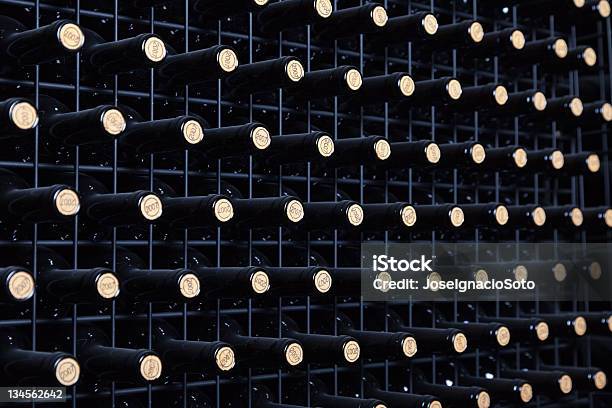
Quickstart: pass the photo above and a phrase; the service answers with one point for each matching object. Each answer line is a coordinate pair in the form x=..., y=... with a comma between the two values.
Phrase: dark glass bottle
x=436, y=92
x=268, y=212
x=266, y=76
x=340, y=81
x=566, y=217
x=347, y=215
x=21, y=366
x=454, y=395
x=485, y=215
x=548, y=50
x=596, y=113
x=236, y=141
x=506, y=159
x=389, y=216
x=524, y=103
x=599, y=323
x=565, y=325
x=598, y=218
x=499, y=42
x=16, y=284
x=545, y=161
x=394, y=399
x=293, y=13
x=415, y=27
x=585, y=379
x=555, y=384
x=464, y=34
x=527, y=216
x=523, y=329
x=348, y=22
x=481, y=335
x=583, y=163
x=482, y=97
x=564, y=108
x=360, y=150
x=295, y=148
x=423, y=153
x=397, y=86
x=462, y=155
x=199, y=66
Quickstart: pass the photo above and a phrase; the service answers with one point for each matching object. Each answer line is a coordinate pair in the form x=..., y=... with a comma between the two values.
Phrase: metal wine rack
x=182, y=29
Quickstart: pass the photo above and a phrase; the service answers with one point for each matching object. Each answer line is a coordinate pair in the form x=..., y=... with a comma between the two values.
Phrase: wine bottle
x=436, y=92
x=270, y=211
x=507, y=158
x=197, y=211
x=524, y=103
x=254, y=351
x=586, y=379
x=567, y=216
x=360, y=150
x=455, y=395
x=266, y=76
x=397, y=86
x=499, y=43
x=389, y=216
x=162, y=135
x=464, y=34
x=597, y=218
x=462, y=155
x=199, y=66
x=596, y=113
x=523, y=329
x=419, y=154
x=21, y=366
x=235, y=141
x=485, y=215
x=142, y=284
x=528, y=216
x=16, y=284
x=394, y=399
x=565, y=325
x=20, y=46
x=481, y=335
x=545, y=161
x=340, y=81
x=348, y=22
x=179, y=355
x=284, y=15
x=483, y=97
x=580, y=58
x=21, y=203
x=581, y=163
x=218, y=9
x=555, y=384
x=548, y=50
x=411, y=27
x=564, y=108
x=346, y=215
x=295, y=148
x=130, y=54
x=599, y=323
x=60, y=126
x=17, y=117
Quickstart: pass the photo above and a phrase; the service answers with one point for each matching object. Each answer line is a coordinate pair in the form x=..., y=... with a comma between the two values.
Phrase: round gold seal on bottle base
x=576, y=107
x=189, y=285
x=557, y=159
x=526, y=393
x=604, y=8
x=113, y=122
x=503, y=336
x=355, y=214
x=483, y=400
x=565, y=384
x=576, y=217
x=67, y=202
x=608, y=217
x=520, y=157
x=406, y=85
x=559, y=272
x=353, y=79
x=71, y=36
x=520, y=273
x=590, y=57
x=379, y=16
x=593, y=163
x=67, y=371
x=539, y=216
x=150, y=368
x=323, y=281
x=324, y=8
x=501, y=95
x=260, y=282
x=154, y=48
x=460, y=343
x=351, y=351
x=295, y=211
x=539, y=101
x=517, y=39
x=192, y=131
x=478, y=153
x=595, y=270
x=435, y=404
x=409, y=346
x=151, y=207
x=580, y=326
x=227, y=60
x=430, y=23
x=457, y=217
x=295, y=70
x=606, y=112
x=107, y=285
x=542, y=331
x=294, y=354
x=432, y=152
x=600, y=380
x=409, y=216
x=326, y=146
x=21, y=285
x=476, y=32
x=579, y=3
x=224, y=210
x=261, y=2
x=24, y=115
x=561, y=48
x=481, y=276
x=501, y=215
x=225, y=358
x=454, y=89
x=260, y=136
x=382, y=149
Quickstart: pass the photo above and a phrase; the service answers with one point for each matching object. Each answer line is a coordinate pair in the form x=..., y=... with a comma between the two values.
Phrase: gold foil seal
x=539, y=216
x=476, y=32
x=385, y=278
x=430, y=23
x=224, y=210
x=606, y=112
x=409, y=216
x=189, y=284
x=610, y=323
x=518, y=39
x=326, y=146
x=604, y=8
x=192, y=131
x=542, y=331
x=590, y=57
x=24, y=115
x=454, y=89
x=593, y=163
x=353, y=79
x=608, y=217
x=432, y=277
x=483, y=400
x=580, y=326
x=565, y=384
x=351, y=351
x=595, y=270
x=526, y=393
x=150, y=368
x=409, y=346
x=71, y=36
x=67, y=202
x=382, y=149
x=600, y=380
x=227, y=60
x=294, y=354
x=520, y=157
x=67, y=371
x=21, y=285
x=557, y=159
x=261, y=2
x=478, y=153
x=579, y=3
x=457, y=217
x=576, y=216
x=501, y=215
x=539, y=101
x=355, y=214
x=406, y=85
x=107, y=285
x=154, y=48
x=481, y=276
x=261, y=138
x=501, y=95
x=323, y=281
x=295, y=211
x=576, y=107
x=520, y=273
x=435, y=404
x=559, y=272
x=379, y=16
x=295, y=70
x=113, y=122
x=460, y=342
x=151, y=207
x=225, y=358
x=260, y=282
x=560, y=47
x=380, y=406
x=503, y=336
x=324, y=8
x=432, y=152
